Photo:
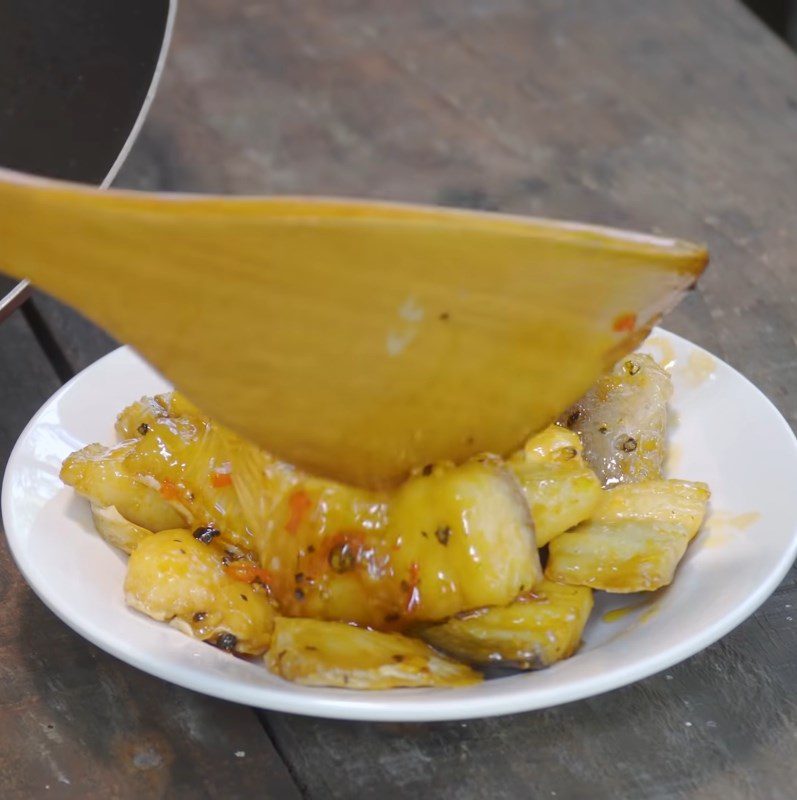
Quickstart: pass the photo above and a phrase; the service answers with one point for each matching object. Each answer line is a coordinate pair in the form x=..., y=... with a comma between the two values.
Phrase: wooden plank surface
x=678, y=118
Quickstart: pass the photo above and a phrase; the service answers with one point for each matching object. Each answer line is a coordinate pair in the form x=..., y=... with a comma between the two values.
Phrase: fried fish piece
x=622, y=421
x=634, y=541
x=99, y=473
x=319, y=653
x=539, y=629
x=559, y=486
x=179, y=577
x=461, y=537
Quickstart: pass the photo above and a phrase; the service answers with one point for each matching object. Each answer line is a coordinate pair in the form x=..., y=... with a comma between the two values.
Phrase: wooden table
x=677, y=117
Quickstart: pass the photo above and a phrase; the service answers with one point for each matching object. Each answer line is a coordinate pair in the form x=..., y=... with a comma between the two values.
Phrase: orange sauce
x=721, y=524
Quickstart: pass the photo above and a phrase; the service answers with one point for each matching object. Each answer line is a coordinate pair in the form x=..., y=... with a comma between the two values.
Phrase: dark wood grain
x=77, y=723
x=678, y=118
x=81, y=342
x=27, y=381
x=720, y=726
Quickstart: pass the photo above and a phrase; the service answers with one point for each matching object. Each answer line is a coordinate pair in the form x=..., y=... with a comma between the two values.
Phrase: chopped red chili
x=299, y=503
x=625, y=323
x=246, y=572
x=220, y=479
x=168, y=490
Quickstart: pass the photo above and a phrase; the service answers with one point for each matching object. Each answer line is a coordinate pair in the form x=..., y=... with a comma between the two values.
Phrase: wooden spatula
x=356, y=339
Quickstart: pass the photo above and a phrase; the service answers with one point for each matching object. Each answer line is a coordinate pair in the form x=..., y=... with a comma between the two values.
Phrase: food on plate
x=561, y=489
x=321, y=653
x=540, y=628
x=622, y=421
x=679, y=504
x=461, y=537
x=634, y=540
x=334, y=551
x=335, y=585
x=99, y=473
x=186, y=578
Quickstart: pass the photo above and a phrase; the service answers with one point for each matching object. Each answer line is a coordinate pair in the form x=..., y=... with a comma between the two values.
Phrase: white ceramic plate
x=725, y=433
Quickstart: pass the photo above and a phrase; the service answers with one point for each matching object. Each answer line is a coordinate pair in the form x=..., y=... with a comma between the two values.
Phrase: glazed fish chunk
x=99, y=474
x=175, y=577
x=635, y=539
x=534, y=632
x=680, y=504
x=209, y=474
x=559, y=486
x=461, y=537
x=318, y=653
x=622, y=421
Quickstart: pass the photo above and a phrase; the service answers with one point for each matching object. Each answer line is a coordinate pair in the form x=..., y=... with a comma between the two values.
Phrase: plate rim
x=422, y=707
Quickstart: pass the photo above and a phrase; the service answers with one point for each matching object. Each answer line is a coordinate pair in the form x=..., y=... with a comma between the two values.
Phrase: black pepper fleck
x=226, y=641
x=573, y=418
x=342, y=557
x=627, y=444
x=443, y=534
x=398, y=658
x=206, y=534
x=427, y=470
x=631, y=367
x=143, y=429
x=445, y=316
x=299, y=594
x=244, y=598
x=200, y=615
x=298, y=577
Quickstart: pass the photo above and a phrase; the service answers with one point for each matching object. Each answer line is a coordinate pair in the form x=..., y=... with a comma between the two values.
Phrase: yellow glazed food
x=341, y=586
